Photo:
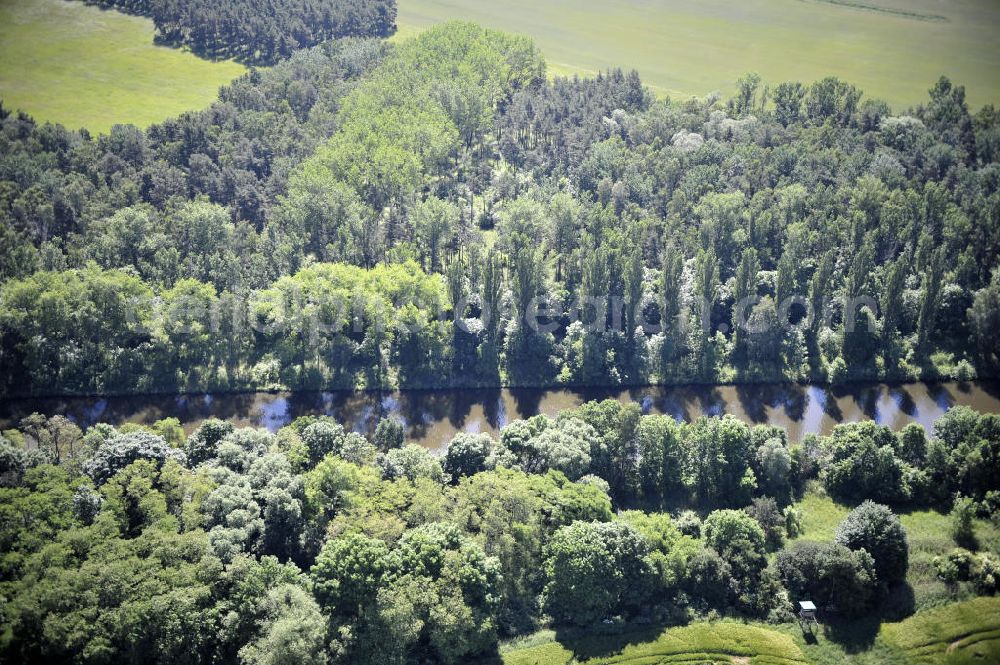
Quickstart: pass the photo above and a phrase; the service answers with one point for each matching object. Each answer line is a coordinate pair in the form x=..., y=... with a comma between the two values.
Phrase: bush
x=986, y=576
x=595, y=481
x=468, y=454
x=201, y=444
x=13, y=463
x=793, y=521
x=389, y=434
x=724, y=529
x=775, y=463
x=764, y=510
x=710, y=580
x=411, y=462
x=877, y=530
x=123, y=449
x=595, y=570
x=828, y=574
x=963, y=529
x=741, y=542
x=324, y=438
x=689, y=523
x=863, y=464
x=955, y=567
x=348, y=572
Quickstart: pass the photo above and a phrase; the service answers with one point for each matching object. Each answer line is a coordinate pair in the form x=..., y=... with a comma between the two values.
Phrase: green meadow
x=82, y=66
x=961, y=633
x=892, y=49
x=949, y=627
x=700, y=643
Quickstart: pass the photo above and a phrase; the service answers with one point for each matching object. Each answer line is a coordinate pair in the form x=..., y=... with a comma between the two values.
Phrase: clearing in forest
x=82, y=66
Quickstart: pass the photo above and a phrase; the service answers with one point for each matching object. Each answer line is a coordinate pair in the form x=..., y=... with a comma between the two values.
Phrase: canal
x=432, y=417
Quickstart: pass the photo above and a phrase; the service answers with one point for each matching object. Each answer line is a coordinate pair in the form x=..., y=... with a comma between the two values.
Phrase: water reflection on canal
x=432, y=417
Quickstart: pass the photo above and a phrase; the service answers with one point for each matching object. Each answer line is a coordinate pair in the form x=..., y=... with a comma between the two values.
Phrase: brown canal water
x=432, y=417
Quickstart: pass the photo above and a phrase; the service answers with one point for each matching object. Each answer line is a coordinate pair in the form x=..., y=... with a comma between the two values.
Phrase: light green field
x=892, y=49
x=697, y=644
x=942, y=630
x=956, y=634
x=81, y=66
x=928, y=534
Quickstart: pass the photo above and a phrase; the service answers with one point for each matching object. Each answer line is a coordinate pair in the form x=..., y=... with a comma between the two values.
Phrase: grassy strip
x=955, y=634
x=716, y=642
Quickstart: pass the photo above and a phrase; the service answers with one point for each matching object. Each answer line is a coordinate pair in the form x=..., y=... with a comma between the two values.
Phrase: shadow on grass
x=595, y=641
x=858, y=635
x=601, y=641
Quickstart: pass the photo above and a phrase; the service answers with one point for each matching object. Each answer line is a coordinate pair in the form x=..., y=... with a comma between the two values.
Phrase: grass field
x=893, y=49
x=697, y=644
x=928, y=535
x=956, y=634
x=948, y=627
x=82, y=66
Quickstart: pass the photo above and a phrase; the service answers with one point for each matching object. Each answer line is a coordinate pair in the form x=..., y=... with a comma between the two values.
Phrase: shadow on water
x=796, y=402
x=941, y=395
x=904, y=400
x=866, y=397
x=759, y=401
x=831, y=404
x=421, y=409
x=462, y=405
x=990, y=387
x=527, y=401
x=579, y=395
x=671, y=403
x=495, y=411
x=711, y=400
x=432, y=417
x=755, y=400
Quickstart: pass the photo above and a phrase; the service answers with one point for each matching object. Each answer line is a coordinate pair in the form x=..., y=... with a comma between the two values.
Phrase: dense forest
x=438, y=213
x=317, y=545
x=259, y=32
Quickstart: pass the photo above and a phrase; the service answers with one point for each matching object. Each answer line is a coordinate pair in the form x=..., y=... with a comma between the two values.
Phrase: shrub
x=412, y=462
x=828, y=574
x=986, y=576
x=955, y=567
x=689, y=523
x=389, y=434
x=963, y=529
x=595, y=570
x=123, y=449
x=723, y=529
x=863, y=464
x=741, y=542
x=775, y=464
x=793, y=521
x=877, y=530
x=595, y=481
x=468, y=454
x=710, y=580
x=202, y=442
x=764, y=510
